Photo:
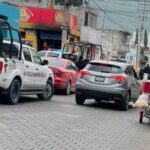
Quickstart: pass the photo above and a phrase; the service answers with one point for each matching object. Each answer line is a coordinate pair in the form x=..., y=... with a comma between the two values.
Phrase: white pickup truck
x=26, y=76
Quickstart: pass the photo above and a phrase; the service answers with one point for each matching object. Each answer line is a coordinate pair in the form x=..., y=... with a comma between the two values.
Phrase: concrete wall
x=113, y=40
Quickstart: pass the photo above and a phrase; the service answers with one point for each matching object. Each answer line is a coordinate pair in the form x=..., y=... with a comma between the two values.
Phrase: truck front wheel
x=48, y=91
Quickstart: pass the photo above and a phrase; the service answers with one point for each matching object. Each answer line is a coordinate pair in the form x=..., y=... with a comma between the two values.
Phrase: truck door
x=40, y=71
x=29, y=70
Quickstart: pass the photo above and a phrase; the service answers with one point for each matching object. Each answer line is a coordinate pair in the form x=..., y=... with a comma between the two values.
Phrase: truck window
x=36, y=58
x=26, y=53
x=6, y=47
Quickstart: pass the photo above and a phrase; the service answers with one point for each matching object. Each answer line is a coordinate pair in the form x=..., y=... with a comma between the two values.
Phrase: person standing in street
x=147, y=70
x=79, y=63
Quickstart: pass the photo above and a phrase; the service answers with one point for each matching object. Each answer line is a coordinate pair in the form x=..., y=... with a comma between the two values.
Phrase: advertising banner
x=48, y=17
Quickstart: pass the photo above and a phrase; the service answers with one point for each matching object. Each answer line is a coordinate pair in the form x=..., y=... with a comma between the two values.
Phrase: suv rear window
x=105, y=68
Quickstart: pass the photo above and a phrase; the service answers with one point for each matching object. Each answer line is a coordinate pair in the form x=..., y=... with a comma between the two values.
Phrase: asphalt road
x=60, y=124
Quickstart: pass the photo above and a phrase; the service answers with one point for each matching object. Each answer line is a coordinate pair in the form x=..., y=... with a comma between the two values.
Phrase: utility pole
x=103, y=25
x=65, y=27
x=143, y=9
x=136, y=43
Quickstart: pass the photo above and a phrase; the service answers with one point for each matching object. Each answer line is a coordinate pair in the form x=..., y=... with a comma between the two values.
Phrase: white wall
x=88, y=34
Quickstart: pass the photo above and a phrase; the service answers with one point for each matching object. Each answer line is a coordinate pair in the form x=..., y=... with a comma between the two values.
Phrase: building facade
x=42, y=26
x=114, y=42
x=41, y=23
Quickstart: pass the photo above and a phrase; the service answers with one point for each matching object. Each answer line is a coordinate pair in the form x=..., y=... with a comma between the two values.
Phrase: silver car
x=108, y=80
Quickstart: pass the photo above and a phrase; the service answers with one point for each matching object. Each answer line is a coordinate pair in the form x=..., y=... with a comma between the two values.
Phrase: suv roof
x=119, y=60
x=120, y=64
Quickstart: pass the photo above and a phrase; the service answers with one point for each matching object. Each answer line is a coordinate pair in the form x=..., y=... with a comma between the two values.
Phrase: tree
x=145, y=38
x=137, y=36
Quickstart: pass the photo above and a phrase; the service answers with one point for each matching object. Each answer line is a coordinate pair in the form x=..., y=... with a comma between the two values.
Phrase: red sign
x=45, y=16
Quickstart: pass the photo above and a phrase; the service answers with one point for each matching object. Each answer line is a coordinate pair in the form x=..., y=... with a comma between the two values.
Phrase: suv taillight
x=119, y=78
x=1, y=67
x=83, y=73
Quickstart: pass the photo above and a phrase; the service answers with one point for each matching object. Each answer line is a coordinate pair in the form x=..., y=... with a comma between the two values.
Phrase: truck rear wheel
x=124, y=104
x=13, y=94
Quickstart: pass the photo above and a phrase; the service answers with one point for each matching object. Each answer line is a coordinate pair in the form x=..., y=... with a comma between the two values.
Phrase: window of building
x=90, y=19
x=86, y=19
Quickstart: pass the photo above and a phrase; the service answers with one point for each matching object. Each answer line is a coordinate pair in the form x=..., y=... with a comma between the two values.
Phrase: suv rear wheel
x=48, y=91
x=124, y=104
x=13, y=95
x=79, y=99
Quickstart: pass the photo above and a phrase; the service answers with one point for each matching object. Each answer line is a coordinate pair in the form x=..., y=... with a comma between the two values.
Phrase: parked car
x=70, y=56
x=65, y=74
x=108, y=80
x=47, y=53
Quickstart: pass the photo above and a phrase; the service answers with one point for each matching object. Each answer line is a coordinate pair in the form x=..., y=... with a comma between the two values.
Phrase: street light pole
x=137, y=54
x=103, y=24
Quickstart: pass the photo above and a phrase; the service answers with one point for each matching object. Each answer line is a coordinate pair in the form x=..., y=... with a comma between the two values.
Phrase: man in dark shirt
x=147, y=70
x=79, y=63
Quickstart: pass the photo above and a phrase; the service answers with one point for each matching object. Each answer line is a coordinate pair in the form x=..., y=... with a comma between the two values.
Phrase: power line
x=118, y=3
x=108, y=17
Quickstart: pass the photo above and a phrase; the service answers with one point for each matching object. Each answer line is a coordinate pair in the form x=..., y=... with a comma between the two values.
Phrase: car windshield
x=56, y=63
x=53, y=54
x=42, y=54
x=105, y=68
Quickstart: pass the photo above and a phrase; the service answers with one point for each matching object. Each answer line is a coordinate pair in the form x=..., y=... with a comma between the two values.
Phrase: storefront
x=42, y=27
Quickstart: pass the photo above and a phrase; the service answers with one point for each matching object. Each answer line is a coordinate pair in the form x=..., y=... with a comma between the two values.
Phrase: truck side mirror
x=45, y=62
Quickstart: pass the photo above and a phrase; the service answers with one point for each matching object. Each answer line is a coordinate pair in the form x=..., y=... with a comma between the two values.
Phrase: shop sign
x=45, y=16
x=59, y=17
x=72, y=22
x=75, y=33
x=25, y=14
x=30, y=32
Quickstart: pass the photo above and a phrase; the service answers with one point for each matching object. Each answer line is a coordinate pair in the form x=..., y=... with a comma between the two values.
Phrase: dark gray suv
x=108, y=80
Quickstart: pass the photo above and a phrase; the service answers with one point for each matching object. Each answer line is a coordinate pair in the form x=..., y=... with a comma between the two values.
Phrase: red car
x=65, y=74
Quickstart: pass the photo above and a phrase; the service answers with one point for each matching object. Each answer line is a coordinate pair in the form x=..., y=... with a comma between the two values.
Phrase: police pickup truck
x=22, y=72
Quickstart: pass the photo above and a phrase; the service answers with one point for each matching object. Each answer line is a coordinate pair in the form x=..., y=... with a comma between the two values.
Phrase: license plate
x=99, y=79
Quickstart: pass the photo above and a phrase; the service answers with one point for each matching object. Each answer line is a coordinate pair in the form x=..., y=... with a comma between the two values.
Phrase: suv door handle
x=27, y=66
x=37, y=69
